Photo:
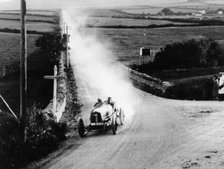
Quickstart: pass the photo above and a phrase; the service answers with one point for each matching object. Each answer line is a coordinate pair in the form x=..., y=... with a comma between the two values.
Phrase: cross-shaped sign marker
x=55, y=78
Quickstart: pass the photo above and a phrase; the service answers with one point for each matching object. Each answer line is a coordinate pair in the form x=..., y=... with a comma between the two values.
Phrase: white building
x=203, y=12
x=220, y=12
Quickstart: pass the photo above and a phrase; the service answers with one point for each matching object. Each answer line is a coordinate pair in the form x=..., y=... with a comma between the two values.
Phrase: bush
x=188, y=54
x=43, y=136
x=214, y=55
x=166, y=11
x=8, y=139
x=53, y=43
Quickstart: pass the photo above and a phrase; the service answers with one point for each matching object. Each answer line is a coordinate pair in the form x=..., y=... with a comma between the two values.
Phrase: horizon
x=68, y=4
x=56, y=4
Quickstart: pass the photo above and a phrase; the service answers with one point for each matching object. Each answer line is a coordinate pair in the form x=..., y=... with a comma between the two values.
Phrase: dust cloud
x=96, y=66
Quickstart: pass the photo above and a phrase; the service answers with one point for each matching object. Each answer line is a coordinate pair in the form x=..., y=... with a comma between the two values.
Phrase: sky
x=43, y=4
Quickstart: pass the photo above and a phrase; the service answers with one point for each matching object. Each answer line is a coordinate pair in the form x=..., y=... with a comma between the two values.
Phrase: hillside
x=194, y=1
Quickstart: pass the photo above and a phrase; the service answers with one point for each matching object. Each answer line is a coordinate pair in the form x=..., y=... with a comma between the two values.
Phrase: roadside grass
x=192, y=88
x=188, y=84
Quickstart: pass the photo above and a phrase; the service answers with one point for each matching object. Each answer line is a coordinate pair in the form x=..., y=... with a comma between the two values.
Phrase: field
x=113, y=22
x=39, y=90
x=143, y=10
x=37, y=26
x=125, y=43
x=32, y=11
x=155, y=10
x=38, y=66
x=30, y=17
x=176, y=7
x=10, y=47
x=104, y=12
x=40, y=22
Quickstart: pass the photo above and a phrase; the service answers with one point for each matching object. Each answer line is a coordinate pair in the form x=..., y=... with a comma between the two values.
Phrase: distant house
x=220, y=12
x=203, y=12
x=199, y=13
x=193, y=0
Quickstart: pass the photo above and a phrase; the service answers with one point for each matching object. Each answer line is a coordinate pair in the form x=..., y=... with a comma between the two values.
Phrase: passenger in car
x=109, y=101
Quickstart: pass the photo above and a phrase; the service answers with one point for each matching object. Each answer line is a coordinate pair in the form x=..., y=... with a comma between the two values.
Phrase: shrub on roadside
x=43, y=136
x=189, y=54
x=53, y=43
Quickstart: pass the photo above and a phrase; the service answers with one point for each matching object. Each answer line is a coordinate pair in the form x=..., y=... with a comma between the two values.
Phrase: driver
x=98, y=103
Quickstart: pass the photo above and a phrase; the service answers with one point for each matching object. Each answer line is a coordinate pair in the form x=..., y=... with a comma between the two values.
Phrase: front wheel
x=114, y=126
x=81, y=128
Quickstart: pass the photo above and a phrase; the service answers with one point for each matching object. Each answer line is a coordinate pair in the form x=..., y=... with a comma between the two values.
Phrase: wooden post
x=67, y=53
x=7, y=105
x=23, y=71
x=55, y=77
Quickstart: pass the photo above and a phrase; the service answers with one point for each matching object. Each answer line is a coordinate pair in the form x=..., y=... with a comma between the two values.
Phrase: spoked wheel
x=121, y=117
x=114, y=126
x=81, y=128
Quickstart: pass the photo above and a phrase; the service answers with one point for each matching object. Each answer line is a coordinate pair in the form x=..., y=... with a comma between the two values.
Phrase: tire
x=81, y=128
x=114, y=126
x=121, y=117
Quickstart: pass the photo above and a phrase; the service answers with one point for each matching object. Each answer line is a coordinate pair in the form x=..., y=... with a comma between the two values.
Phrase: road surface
x=162, y=133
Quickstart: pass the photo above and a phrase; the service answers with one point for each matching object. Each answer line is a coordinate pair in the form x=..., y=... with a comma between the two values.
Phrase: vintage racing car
x=103, y=117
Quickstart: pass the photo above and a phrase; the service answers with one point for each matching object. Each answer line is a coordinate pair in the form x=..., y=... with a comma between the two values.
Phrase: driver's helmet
x=109, y=99
x=99, y=100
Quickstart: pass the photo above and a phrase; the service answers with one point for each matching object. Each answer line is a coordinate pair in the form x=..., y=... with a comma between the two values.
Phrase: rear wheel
x=121, y=116
x=81, y=128
x=114, y=126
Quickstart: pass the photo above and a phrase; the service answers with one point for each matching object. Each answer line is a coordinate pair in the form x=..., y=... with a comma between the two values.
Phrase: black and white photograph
x=112, y=84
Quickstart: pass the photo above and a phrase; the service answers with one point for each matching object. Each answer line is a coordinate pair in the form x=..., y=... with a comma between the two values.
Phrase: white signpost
x=55, y=77
x=144, y=52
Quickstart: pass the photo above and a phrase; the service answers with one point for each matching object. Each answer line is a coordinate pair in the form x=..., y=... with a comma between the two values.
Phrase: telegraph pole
x=67, y=53
x=23, y=71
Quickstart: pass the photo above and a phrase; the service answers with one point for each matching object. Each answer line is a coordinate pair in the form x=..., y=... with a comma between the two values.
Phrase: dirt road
x=161, y=134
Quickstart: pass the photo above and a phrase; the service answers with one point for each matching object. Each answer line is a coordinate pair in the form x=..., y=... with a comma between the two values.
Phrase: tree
x=189, y=54
x=215, y=55
x=167, y=11
x=53, y=43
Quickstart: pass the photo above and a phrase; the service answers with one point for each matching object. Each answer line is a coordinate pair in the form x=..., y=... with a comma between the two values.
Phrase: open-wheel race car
x=103, y=117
